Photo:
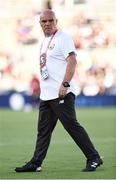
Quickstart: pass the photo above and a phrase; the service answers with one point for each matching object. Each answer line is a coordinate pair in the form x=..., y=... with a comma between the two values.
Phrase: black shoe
x=93, y=164
x=29, y=167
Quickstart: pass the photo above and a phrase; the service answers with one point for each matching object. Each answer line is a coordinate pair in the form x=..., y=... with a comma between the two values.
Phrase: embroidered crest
x=51, y=46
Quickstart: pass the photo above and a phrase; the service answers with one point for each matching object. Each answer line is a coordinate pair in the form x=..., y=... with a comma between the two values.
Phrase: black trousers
x=64, y=110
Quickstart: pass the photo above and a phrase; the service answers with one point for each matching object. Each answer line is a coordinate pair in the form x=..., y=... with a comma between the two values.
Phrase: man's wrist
x=66, y=84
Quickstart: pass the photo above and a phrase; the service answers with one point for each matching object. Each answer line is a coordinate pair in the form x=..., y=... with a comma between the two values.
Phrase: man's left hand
x=62, y=91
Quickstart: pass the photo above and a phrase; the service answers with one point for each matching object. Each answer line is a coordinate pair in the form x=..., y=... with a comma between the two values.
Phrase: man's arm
x=70, y=70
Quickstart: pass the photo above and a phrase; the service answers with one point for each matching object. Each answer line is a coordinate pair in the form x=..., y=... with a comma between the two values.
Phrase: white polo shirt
x=57, y=52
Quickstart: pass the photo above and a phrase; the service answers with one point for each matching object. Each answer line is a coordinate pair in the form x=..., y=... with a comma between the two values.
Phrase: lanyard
x=45, y=54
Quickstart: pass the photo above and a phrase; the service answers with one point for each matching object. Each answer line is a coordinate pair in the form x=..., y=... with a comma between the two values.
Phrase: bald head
x=48, y=22
x=47, y=12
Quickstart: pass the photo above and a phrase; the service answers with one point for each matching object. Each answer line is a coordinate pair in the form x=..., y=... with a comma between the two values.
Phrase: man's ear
x=40, y=23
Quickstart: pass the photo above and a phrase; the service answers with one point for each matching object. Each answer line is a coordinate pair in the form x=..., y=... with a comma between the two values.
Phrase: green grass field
x=64, y=159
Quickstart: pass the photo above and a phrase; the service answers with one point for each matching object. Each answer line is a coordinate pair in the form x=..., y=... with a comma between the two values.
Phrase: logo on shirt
x=61, y=101
x=51, y=46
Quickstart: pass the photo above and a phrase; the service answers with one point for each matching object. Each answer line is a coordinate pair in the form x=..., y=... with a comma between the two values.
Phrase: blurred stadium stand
x=92, y=25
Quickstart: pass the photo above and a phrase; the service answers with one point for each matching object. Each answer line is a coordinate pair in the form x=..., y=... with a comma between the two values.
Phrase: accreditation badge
x=44, y=72
x=43, y=68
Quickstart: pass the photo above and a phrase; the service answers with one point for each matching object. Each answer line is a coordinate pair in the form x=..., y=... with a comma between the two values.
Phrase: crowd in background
x=96, y=67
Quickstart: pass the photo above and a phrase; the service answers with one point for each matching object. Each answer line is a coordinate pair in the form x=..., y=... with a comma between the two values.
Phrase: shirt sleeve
x=67, y=45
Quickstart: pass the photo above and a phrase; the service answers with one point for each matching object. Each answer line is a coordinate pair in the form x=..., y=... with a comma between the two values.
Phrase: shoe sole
x=34, y=170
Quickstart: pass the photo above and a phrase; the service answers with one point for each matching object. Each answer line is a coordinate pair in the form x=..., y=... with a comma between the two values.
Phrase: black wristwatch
x=66, y=84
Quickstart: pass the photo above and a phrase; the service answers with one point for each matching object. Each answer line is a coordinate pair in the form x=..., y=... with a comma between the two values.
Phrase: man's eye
x=50, y=20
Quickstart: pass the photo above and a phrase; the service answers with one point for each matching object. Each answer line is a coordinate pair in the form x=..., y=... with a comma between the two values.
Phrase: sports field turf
x=64, y=159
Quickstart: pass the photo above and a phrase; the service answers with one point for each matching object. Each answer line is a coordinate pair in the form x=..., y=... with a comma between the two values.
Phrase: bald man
x=58, y=91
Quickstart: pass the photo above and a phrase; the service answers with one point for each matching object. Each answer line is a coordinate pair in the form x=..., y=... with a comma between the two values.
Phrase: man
x=57, y=67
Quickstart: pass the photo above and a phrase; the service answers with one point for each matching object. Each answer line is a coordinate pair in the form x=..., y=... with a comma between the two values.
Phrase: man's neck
x=50, y=34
